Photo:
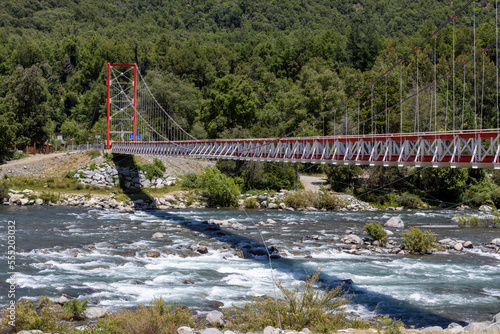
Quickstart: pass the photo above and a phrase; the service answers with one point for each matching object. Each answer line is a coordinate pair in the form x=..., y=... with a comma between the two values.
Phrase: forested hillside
x=245, y=68
x=223, y=68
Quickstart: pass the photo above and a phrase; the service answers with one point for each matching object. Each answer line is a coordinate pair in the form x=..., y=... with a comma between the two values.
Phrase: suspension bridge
x=420, y=129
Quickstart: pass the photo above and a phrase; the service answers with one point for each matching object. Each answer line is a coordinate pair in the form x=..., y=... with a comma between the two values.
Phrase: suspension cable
x=453, y=55
x=473, y=52
x=463, y=100
x=482, y=96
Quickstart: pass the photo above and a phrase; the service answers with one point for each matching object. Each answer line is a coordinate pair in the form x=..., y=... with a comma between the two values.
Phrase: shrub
x=302, y=199
x=50, y=197
x=47, y=319
x=158, y=318
x=251, y=203
x=221, y=190
x=4, y=190
x=477, y=221
x=330, y=201
x=191, y=180
x=376, y=231
x=74, y=309
x=93, y=153
x=154, y=169
x=306, y=306
x=391, y=325
x=409, y=200
x=418, y=241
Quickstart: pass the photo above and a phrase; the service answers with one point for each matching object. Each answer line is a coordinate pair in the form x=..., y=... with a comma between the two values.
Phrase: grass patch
x=93, y=153
x=157, y=318
x=321, y=310
x=50, y=197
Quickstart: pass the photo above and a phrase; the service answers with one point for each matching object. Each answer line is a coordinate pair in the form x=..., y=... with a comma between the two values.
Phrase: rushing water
x=54, y=258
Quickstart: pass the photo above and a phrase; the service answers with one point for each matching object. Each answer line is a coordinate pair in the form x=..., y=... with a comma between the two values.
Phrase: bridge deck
x=475, y=149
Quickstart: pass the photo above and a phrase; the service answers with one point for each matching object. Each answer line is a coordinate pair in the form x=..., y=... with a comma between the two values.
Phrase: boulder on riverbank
x=395, y=222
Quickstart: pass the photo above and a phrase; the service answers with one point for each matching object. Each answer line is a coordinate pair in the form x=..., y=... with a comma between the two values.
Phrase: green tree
x=232, y=102
x=28, y=101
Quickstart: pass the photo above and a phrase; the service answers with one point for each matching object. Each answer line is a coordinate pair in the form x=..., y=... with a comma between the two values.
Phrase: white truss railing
x=476, y=149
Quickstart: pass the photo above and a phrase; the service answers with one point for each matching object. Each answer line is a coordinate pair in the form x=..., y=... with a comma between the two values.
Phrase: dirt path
x=60, y=163
x=313, y=183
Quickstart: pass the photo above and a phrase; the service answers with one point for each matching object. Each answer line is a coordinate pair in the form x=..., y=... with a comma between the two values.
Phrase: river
x=100, y=255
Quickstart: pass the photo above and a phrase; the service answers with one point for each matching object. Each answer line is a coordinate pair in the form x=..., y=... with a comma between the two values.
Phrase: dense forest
x=236, y=68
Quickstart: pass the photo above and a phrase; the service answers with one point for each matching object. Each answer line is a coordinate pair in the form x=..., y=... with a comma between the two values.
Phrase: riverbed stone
x=485, y=208
x=62, y=300
x=95, y=312
x=215, y=317
x=352, y=239
x=432, y=329
x=468, y=244
x=496, y=318
x=185, y=330
x=268, y=330
x=158, y=235
x=454, y=328
x=495, y=327
x=396, y=222
x=458, y=246
x=153, y=254
x=211, y=331
x=476, y=326
x=495, y=241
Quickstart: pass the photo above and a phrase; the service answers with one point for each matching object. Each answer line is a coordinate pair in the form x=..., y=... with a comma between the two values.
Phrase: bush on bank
x=419, y=241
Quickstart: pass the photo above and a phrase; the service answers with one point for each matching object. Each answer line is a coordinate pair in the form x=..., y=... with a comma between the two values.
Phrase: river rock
x=458, y=246
x=352, y=239
x=158, y=235
x=454, y=328
x=268, y=330
x=39, y=201
x=495, y=241
x=215, y=317
x=153, y=254
x=273, y=206
x=485, y=208
x=389, y=232
x=95, y=312
x=476, y=326
x=432, y=329
x=211, y=331
x=127, y=209
x=184, y=330
x=62, y=300
x=496, y=318
x=396, y=222
x=468, y=244
x=494, y=327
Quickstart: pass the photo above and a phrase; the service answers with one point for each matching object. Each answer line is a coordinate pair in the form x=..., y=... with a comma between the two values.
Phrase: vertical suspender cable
x=435, y=85
x=474, y=52
x=359, y=106
x=386, y=111
x=463, y=101
x=371, y=102
x=401, y=97
x=482, y=96
x=446, y=108
x=453, y=55
x=417, y=116
x=496, y=39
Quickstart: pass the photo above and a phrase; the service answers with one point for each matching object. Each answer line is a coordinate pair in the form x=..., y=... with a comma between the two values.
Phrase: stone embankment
x=109, y=175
